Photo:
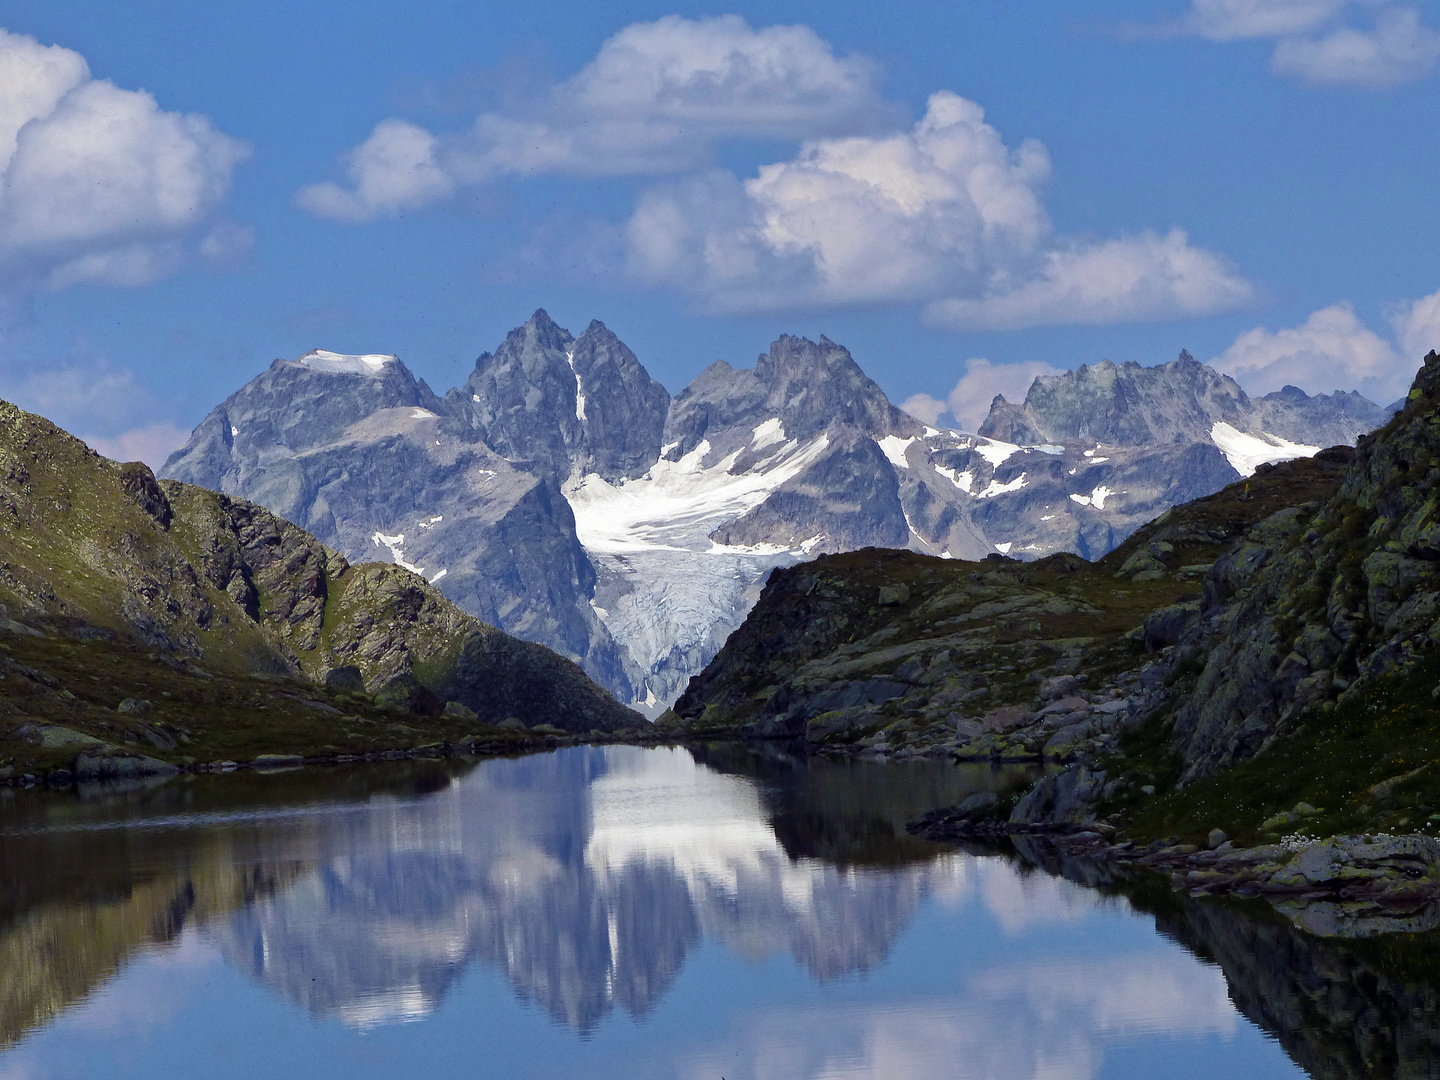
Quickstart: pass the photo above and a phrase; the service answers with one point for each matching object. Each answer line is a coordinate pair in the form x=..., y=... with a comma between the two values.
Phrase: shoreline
x=1349, y=886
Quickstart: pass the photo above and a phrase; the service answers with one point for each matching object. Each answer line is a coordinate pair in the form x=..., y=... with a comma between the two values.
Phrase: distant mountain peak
x=334, y=363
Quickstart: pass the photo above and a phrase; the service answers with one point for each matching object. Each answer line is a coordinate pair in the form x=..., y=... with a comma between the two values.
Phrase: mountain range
x=563, y=495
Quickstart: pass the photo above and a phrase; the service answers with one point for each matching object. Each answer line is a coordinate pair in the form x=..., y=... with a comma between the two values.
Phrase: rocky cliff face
x=561, y=495
x=123, y=585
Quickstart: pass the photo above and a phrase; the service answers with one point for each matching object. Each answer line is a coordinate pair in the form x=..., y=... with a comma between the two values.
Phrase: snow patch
x=1048, y=448
x=438, y=576
x=579, y=389
x=234, y=431
x=677, y=504
x=333, y=363
x=1248, y=452
x=995, y=451
x=962, y=480
x=431, y=523
x=1096, y=498
x=418, y=413
x=997, y=488
x=396, y=545
x=767, y=434
x=1004, y=548
x=894, y=447
x=474, y=397
x=1093, y=459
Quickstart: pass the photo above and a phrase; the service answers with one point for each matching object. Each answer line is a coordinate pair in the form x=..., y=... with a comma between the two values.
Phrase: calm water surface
x=619, y=912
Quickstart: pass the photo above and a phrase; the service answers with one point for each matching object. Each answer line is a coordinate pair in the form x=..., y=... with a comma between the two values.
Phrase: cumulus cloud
x=1132, y=279
x=945, y=213
x=654, y=100
x=1417, y=327
x=394, y=169
x=1334, y=350
x=1398, y=49
x=851, y=220
x=97, y=183
x=924, y=407
x=1316, y=44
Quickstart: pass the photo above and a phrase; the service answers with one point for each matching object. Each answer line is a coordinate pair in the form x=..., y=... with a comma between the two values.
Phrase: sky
x=966, y=195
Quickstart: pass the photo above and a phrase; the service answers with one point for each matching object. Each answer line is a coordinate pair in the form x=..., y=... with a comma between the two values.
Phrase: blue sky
x=964, y=194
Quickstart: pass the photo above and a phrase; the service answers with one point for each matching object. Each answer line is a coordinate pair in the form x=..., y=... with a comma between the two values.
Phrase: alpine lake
x=726, y=911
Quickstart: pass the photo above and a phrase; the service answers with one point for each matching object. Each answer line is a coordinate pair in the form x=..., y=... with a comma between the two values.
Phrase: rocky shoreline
x=1338, y=886
x=98, y=762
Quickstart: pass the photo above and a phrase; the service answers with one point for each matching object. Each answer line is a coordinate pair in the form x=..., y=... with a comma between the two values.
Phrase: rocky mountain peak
x=295, y=405
x=807, y=386
x=1130, y=405
x=570, y=405
x=1178, y=402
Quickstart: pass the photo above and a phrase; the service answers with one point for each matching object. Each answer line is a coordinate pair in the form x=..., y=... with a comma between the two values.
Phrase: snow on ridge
x=997, y=488
x=417, y=413
x=333, y=363
x=677, y=504
x=994, y=451
x=894, y=447
x=1248, y=452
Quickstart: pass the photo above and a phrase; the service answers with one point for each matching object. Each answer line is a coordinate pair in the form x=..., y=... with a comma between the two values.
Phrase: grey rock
x=110, y=764
x=1067, y=740
x=1061, y=798
x=1058, y=686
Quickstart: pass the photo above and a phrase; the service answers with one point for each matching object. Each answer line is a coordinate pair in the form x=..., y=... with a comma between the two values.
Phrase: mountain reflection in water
x=754, y=914
x=587, y=878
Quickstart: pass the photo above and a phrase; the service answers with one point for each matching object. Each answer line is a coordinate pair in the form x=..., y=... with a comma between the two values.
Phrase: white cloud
x=1227, y=20
x=656, y=99
x=97, y=183
x=851, y=220
x=1131, y=279
x=1314, y=43
x=1334, y=350
x=393, y=170
x=944, y=213
x=1398, y=50
x=924, y=407
x=1417, y=327
x=151, y=444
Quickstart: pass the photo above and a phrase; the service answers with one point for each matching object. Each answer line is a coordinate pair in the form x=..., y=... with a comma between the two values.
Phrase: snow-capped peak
x=334, y=363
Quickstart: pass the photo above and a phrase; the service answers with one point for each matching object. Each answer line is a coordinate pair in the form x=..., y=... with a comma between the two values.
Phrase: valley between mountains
x=563, y=496
x=1236, y=686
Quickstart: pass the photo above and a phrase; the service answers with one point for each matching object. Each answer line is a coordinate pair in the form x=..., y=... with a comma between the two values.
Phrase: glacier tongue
x=666, y=592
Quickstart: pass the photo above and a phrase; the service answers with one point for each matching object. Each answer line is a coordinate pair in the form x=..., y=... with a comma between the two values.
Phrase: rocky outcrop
x=98, y=560
x=1321, y=601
